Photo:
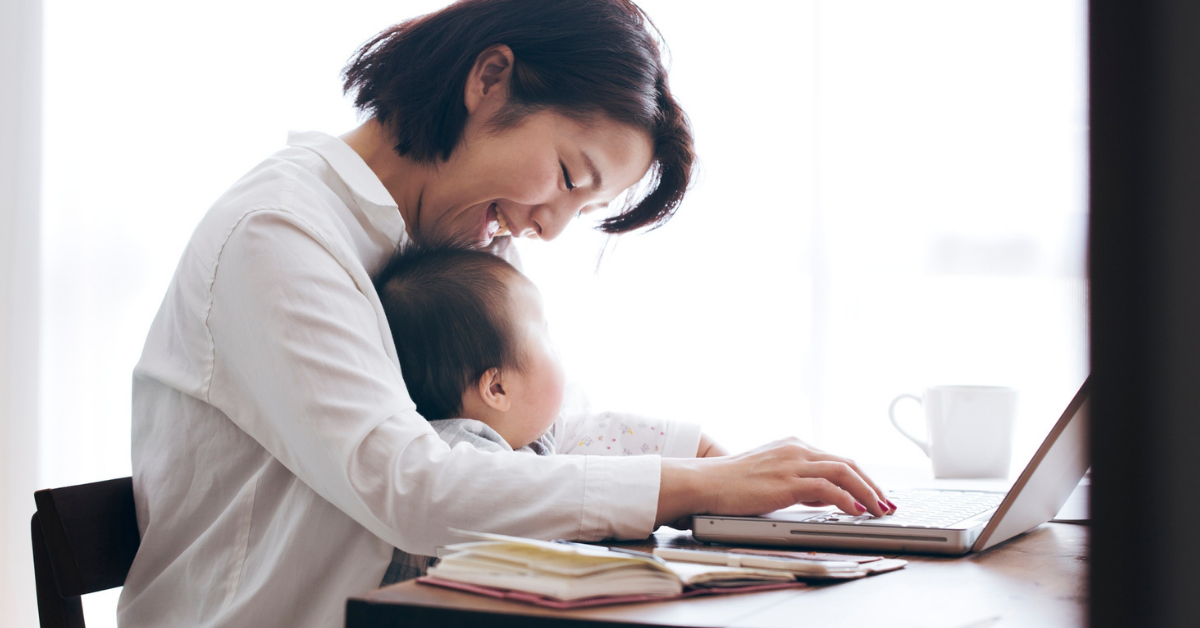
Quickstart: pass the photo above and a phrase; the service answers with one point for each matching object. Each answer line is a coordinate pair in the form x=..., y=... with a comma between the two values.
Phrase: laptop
x=931, y=521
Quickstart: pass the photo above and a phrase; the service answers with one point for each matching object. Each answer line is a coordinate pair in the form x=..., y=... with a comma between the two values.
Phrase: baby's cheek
x=553, y=393
x=559, y=388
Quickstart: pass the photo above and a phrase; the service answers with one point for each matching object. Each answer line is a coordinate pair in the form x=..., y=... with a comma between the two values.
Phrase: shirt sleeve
x=301, y=362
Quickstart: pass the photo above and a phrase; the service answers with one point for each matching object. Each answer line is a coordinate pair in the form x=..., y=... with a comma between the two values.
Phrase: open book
x=565, y=575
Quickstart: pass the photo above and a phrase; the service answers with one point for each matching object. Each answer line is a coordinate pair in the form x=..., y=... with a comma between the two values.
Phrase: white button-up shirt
x=277, y=457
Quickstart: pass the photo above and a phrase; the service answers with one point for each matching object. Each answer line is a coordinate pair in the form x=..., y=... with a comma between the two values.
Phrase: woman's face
x=530, y=179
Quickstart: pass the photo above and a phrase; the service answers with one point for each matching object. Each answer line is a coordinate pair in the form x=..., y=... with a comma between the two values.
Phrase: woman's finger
x=882, y=495
x=823, y=490
x=890, y=507
x=846, y=478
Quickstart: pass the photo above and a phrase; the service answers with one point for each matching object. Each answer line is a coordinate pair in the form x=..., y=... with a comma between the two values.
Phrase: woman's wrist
x=681, y=489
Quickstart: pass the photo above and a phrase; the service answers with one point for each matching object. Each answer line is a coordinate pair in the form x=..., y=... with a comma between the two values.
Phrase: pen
x=751, y=561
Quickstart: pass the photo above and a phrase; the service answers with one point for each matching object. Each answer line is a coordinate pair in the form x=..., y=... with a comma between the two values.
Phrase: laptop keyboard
x=923, y=509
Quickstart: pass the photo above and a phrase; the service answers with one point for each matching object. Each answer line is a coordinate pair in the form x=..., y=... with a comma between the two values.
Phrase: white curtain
x=20, y=164
x=890, y=195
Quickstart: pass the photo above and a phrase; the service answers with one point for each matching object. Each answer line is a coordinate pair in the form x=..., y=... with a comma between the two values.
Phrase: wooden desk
x=1038, y=579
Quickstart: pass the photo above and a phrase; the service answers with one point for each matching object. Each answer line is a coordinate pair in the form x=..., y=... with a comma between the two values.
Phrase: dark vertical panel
x=1144, y=265
x=1114, y=241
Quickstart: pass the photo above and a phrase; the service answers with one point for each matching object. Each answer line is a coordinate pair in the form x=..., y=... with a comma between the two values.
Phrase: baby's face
x=536, y=391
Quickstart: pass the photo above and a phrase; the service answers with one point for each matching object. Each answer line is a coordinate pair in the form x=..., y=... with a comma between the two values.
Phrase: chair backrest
x=84, y=540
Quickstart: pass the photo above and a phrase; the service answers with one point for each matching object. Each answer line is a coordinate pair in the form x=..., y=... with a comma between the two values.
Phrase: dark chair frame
x=84, y=541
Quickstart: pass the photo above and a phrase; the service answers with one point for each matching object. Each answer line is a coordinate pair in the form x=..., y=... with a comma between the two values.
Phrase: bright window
x=892, y=195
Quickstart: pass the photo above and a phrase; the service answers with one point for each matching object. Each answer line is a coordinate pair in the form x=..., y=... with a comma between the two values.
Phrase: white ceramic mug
x=969, y=429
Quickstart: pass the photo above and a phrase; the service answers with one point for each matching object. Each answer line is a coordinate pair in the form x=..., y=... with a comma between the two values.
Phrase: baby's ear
x=491, y=390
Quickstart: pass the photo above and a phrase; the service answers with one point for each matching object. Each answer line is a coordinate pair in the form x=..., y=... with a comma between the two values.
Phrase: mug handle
x=924, y=445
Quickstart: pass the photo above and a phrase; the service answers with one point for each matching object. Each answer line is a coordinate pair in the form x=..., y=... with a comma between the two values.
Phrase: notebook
x=931, y=521
x=562, y=574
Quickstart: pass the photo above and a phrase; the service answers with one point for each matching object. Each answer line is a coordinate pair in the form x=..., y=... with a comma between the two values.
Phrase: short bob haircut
x=579, y=58
x=450, y=313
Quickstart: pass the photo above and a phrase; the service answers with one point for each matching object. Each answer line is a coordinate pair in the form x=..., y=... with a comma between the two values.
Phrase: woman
x=278, y=459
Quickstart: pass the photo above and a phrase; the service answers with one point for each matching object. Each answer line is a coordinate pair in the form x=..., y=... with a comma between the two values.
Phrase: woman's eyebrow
x=597, y=182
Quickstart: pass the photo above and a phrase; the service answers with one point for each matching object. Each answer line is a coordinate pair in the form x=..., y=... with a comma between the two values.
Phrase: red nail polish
x=882, y=506
x=891, y=504
x=861, y=508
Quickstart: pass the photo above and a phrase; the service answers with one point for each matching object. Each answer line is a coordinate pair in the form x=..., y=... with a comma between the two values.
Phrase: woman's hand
x=771, y=477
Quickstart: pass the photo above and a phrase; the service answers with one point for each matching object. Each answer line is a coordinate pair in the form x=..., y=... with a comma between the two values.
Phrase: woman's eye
x=567, y=176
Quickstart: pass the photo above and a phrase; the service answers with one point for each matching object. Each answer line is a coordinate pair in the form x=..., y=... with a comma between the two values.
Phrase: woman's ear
x=491, y=390
x=488, y=80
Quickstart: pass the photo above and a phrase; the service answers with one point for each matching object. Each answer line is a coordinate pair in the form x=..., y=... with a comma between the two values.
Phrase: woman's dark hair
x=579, y=58
x=449, y=310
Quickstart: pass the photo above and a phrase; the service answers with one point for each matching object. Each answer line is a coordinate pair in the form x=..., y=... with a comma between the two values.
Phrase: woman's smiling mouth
x=504, y=230
x=494, y=224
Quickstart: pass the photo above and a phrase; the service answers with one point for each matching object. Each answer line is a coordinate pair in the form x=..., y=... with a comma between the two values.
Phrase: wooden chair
x=84, y=540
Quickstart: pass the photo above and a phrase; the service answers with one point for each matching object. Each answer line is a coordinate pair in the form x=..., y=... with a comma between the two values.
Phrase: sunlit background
x=891, y=195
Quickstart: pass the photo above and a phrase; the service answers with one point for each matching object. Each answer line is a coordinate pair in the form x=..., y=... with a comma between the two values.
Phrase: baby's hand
x=709, y=448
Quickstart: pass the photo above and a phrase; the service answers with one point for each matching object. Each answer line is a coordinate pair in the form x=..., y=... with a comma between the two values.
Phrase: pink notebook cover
x=531, y=598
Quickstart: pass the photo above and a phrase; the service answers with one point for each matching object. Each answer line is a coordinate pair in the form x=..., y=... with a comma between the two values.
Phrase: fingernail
x=891, y=504
x=861, y=508
x=882, y=506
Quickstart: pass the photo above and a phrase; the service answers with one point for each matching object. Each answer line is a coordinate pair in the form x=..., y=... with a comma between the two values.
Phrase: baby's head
x=472, y=340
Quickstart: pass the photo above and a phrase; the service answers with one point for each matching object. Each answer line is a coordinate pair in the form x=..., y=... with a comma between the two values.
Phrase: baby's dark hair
x=449, y=310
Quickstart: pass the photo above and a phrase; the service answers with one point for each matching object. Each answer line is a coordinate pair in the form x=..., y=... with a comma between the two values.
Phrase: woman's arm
x=774, y=476
x=301, y=363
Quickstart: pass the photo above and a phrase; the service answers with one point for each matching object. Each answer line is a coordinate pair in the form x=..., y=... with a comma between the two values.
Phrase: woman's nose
x=549, y=221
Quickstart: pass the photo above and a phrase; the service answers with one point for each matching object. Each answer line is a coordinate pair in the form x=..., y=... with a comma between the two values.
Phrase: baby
x=474, y=347
x=476, y=354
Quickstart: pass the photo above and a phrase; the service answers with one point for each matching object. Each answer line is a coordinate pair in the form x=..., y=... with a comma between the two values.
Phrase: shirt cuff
x=620, y=497
x=683, y=440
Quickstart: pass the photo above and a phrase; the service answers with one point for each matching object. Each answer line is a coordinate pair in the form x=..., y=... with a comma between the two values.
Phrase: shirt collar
x=374, y=199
